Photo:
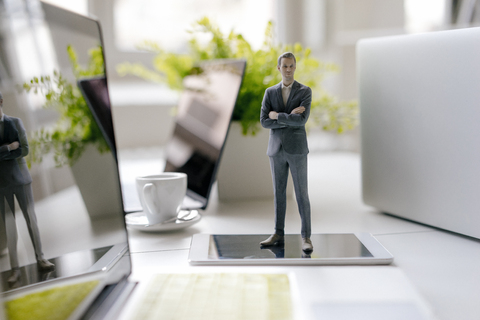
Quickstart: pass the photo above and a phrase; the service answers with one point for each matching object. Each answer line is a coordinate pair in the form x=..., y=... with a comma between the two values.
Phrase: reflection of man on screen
x=15, y=180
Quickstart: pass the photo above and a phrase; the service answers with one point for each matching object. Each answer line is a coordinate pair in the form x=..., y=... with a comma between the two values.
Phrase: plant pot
x=244, y=172
x=96, y=176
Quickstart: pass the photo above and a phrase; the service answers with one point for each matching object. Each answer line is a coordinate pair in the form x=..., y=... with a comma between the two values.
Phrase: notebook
x=219, y=295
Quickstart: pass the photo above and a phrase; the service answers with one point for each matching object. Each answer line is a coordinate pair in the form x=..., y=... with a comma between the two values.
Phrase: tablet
x=328, y=249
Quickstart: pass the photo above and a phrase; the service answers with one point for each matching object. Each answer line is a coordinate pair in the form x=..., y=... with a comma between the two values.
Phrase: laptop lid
x=74, y=214
x=203, y=118
x=202, y=121
x=419, y=106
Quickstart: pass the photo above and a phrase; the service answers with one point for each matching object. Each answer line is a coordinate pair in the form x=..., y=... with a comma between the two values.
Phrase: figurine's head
x=287, y=65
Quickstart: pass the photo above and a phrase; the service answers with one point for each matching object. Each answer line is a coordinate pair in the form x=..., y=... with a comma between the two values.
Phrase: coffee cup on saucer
x=161, y=195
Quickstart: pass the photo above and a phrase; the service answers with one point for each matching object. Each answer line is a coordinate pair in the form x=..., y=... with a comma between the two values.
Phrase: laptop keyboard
x=210, y=296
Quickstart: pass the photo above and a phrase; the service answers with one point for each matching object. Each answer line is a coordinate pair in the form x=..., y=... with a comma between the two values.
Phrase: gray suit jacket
x=22, y=163
x=10, y=173
x=288, y=131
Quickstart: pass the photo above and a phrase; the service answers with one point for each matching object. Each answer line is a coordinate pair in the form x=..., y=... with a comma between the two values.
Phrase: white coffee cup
x=161, y=195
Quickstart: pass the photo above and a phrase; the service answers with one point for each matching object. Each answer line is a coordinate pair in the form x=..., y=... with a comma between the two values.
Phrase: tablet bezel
x=199, y=248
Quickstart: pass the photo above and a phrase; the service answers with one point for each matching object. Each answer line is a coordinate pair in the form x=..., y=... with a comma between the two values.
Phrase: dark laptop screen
x=203, y=118
x=95, y=92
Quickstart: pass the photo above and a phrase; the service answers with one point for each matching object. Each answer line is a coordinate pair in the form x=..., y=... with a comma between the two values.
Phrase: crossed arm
x=276, y=120
x=274, y=115
x=19, y=147
x=7, y=148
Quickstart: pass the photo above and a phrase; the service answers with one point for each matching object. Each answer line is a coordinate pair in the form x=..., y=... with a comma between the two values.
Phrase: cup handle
x=149, y=191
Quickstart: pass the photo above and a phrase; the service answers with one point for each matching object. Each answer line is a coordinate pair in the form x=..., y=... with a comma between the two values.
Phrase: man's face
x=287, y=69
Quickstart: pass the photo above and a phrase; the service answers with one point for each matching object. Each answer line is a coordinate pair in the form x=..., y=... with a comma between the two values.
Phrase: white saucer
x=186, y=218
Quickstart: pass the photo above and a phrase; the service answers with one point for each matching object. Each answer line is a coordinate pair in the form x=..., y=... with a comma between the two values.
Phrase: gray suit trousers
x=8, y=219
x=24, y=197
x=279, y=164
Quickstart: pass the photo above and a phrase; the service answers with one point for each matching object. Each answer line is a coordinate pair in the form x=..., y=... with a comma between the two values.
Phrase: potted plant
x=249, y=160
x=170, y=68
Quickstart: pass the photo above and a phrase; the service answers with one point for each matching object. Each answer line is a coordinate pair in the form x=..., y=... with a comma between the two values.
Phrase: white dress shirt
x=1, y=126
x=286, y=92
x=2, y=130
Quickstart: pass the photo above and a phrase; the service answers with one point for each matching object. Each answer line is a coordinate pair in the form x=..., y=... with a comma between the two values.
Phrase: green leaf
x=76, y=127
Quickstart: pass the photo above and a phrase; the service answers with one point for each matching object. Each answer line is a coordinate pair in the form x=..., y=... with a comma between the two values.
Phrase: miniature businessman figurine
x=285, y=110
x=15, y=180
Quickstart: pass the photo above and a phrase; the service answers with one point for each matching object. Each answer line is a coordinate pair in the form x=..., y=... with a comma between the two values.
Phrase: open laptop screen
x=203, y=118
x=95, y=92
x=70, y=212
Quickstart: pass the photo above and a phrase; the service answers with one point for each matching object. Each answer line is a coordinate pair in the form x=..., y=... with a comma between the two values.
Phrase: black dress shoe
x=273, y=239
x=45, y=265
x=306, y=255
x=307, y=245
x=14, y=276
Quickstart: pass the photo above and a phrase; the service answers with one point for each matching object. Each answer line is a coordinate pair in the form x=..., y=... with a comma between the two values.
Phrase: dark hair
x=1, y=98
x=286, y=55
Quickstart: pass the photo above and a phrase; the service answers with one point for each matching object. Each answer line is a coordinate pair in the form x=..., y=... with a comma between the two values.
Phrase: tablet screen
x=325, y=246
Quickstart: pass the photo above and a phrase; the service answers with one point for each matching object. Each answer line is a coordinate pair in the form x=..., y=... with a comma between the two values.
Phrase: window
x=78, y=6
x=425, y=15
x=167, y=22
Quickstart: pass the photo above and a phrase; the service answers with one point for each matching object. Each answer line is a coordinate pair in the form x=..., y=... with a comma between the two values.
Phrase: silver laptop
x=420, y=132
x=202, y=122
x=78, y=208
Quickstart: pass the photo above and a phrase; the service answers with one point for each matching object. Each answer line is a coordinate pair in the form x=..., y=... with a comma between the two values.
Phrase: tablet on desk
x=328, y=249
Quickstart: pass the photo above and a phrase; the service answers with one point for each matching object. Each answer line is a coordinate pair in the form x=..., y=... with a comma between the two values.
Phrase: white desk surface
x=435, y=270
